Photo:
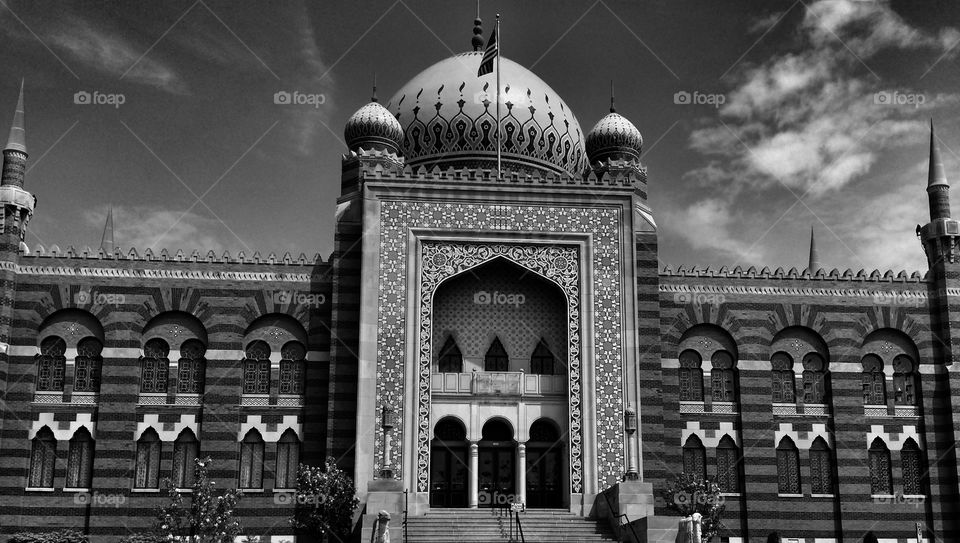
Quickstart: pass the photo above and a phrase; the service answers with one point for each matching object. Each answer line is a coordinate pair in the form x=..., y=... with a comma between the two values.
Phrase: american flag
x=486, y=65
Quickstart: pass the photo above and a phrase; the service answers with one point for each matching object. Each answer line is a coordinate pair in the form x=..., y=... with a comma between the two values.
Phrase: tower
x=814, y=264
x=106, y=241
x=18, y=207
x=940, y=237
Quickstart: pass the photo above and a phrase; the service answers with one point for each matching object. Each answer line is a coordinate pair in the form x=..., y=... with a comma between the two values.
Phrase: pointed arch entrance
x=545, y=466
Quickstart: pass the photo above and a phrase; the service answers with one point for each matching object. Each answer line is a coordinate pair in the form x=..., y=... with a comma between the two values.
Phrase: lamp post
x=388, y=420
x=630, y=423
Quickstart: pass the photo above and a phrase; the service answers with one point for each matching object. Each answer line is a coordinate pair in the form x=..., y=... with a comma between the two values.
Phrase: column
x=473, y=486
x=522, y=473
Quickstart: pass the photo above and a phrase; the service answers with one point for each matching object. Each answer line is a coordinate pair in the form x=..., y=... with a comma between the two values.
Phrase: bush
x=59, y=536
x=325, y=501
x=144, y=538
x=689, y=494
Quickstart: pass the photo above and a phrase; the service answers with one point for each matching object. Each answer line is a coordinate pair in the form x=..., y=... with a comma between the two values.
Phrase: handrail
x=405, y=506
x=520, y=527
x=614, y=514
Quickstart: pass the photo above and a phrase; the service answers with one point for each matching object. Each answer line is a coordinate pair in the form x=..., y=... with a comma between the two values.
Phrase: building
x=477, y=338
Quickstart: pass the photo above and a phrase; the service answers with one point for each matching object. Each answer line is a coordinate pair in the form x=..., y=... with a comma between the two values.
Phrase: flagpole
x=499, y=42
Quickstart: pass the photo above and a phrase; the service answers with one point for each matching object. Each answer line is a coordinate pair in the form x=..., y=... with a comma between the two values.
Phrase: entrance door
x=497, y=475
x=544, y=477
x=448, y=465
x=545, y=455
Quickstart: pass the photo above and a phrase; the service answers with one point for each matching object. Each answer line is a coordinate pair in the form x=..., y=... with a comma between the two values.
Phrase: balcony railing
x=499, y=383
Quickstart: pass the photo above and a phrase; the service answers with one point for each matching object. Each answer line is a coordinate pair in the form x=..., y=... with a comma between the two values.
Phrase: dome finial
x=373, y=98
x=613, y=108
x=477, y=40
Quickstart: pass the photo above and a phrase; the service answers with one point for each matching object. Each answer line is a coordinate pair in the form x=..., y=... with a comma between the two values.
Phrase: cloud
x=110, y=54
x=707, y=225
x=306, y=122
x=143, y=227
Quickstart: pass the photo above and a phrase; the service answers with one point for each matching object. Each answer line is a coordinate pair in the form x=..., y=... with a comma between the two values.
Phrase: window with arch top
x=695, y=458
x=723, y=377
x=788, y=467
x=911, y=466
x=728, y=470
x=880, y=477
x=51, y=364
x=80, y=459
x=148, y=460
x=256, y=368
x=186, y=450
x=288, y=458
x=154, y=366
x=86, y=375
x=43, y=457
x=251, y=460
x=691, y=376
x=821, y=467
x=872, y=380
x=543, y=362
x=904, y=381
x=815, y=384
x=451, y=359
x=496, y=358
x=192, y=367
x=783, y=378
x=292, y=356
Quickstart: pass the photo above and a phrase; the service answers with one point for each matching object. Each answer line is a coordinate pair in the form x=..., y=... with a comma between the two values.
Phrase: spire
x=814, y=264
x=937, y=175
x=374, y=97
x=17, y=140
x=106, y=242
x=613, y=108
x=477, y=39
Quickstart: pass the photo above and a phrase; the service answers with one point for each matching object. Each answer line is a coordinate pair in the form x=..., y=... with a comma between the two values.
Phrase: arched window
x=256, y=369
x=542, y=362
x=251, y=460
x=496, y=358
x=723, y=377
x=288, y=458
x=451, y=360
x=544, y=432
x=154, y=366
x=728, y=471
x=911, y=467
x=880, y=479
x=80, y=460
x=191, y=368
x=51, y=364
x=815, y=384
x=186, y=449
x=904, y=381
x=86, y=376
x=148, y=460
x=291, y=368
x=783, y=379
x=695, y=458
x=788, y=467
x=821, y=467
x=691, y=376
x=43, y=458
x=449, y=429
x=874, y=386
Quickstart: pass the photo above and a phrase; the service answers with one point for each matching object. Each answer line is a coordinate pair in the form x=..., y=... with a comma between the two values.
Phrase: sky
x=760, y=119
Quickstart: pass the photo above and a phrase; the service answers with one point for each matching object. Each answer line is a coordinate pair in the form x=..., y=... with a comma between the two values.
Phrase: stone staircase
x=490, y=526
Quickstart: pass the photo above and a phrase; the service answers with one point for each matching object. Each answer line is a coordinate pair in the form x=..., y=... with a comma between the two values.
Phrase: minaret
x=938, y=190
x=18, y=207
x=106, y=241
x=814, y=264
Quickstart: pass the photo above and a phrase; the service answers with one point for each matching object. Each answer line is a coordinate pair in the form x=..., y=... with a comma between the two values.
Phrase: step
x=485, y=526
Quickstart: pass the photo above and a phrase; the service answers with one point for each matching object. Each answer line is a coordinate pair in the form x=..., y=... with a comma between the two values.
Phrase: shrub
x=59, y=536
x=689, y=494
x=325, y=501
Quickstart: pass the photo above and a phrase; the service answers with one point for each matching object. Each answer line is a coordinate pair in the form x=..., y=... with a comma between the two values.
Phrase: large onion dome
x=373, y=127
x=448, y=115
x=614, y=137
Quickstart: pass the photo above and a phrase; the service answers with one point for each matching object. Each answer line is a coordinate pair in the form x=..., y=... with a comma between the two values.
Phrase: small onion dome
x=373, y=127
x=614, y=137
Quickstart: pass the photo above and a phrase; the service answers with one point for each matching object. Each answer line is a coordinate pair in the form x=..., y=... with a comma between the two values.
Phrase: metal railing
x=514, y=527
x=614, y=515
x=406, y=504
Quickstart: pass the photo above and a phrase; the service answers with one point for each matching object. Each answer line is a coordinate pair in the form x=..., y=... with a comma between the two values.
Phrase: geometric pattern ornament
x=449, y=117
x=556, y=262
x=559, y=264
